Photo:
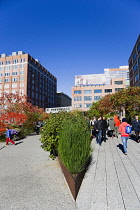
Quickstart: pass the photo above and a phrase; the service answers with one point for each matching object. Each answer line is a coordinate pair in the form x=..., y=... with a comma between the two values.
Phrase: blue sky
x=71, y=37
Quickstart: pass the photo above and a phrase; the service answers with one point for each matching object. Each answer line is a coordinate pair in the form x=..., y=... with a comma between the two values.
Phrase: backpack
x=128, y=129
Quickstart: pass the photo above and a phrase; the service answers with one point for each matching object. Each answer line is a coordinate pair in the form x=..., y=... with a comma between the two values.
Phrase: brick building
x=91, y=88
x=21, y=72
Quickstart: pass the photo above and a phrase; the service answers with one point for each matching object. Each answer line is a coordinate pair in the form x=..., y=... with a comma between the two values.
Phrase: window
x=14, y=73
x=139, y=48
x=134, y=56
x=15, y=66
x=14, y=85
x=108, y=90
x=1, y=68
x=0, y=86
x=77, y=105
x=87, y=105
x=1, y=75
x=14, y=79
x=15, y=61
x=135, y=67
x=7, y=80
x=21, y=78
x=22, y=60
x=7, y=74
x=6, y=86
x=87, y=98
x=98, y=91
x=78, y=98
x=96, y=98
x=32, y=94
x=21, y=72
x=77, y=92
x=87, y=91
x=36, y=95
x=7, y=62
x=7, y=67
x=118, y=82
x=21, y=84
x=21, y=91
x=136, y=77
x=117, y=89
x=21, y=66
x=1, y=63
x=0, y=80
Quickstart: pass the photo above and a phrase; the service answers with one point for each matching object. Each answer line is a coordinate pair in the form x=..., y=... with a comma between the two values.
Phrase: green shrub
x=2, y=138
x=23, y=131
x=74, y=144
x=51, y=128
x=50, y=132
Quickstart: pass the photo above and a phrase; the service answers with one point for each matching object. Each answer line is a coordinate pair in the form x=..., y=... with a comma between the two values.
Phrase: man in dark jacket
x=136, y=127
x=104, y=129
x=38, y=126
x=98, y=129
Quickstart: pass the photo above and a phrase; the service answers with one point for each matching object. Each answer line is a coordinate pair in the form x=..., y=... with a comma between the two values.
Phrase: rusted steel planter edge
x=74, y=184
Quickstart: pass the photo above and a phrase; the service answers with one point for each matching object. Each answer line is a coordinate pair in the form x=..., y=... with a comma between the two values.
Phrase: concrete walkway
x=113, y=179
x=29, y=180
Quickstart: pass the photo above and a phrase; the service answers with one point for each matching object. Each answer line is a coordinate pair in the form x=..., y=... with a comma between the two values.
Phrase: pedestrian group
x=103, y=128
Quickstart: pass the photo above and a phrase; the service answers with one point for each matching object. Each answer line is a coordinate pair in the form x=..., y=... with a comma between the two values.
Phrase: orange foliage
x=2, y=127
x=13, y=118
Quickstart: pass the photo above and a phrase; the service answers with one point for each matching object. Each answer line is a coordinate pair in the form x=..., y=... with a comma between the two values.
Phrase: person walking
x=117, y=124
x=124, y=135
x=38, y=126
x=111, y=127
x=104, y=129
x=9, y=136
x=98, y=129
x=136, y=127
x=92, y=122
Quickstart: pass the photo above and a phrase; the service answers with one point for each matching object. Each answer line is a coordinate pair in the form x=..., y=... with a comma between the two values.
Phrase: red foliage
x=13, y=118
x=2, y=127
x=19, y=110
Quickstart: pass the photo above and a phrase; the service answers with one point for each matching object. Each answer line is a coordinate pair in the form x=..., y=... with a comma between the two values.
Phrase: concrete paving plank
x=114, y=195
x=99, y=199
x=85, y=194
x=133, y=170
x=126, y=185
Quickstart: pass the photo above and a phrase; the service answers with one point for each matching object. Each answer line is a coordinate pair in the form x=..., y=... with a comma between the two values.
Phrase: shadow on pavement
x=133, y=138
x=32, y=134
x=18, y=142
x=120, y=147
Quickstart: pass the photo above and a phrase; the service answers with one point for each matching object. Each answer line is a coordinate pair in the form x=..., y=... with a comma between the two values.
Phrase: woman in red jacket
x=124, y=135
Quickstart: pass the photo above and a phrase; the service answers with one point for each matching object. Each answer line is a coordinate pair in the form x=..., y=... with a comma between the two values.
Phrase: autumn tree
x=7, y=99
x=94, y=110
x=13, y=118
x=127, y=99
x=2, y=127
x=21, y=112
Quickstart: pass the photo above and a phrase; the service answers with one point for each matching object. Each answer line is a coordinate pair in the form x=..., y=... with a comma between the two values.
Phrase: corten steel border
x=73, y=183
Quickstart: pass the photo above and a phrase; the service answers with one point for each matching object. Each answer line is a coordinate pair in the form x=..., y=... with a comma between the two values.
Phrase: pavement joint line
x=2, y=147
